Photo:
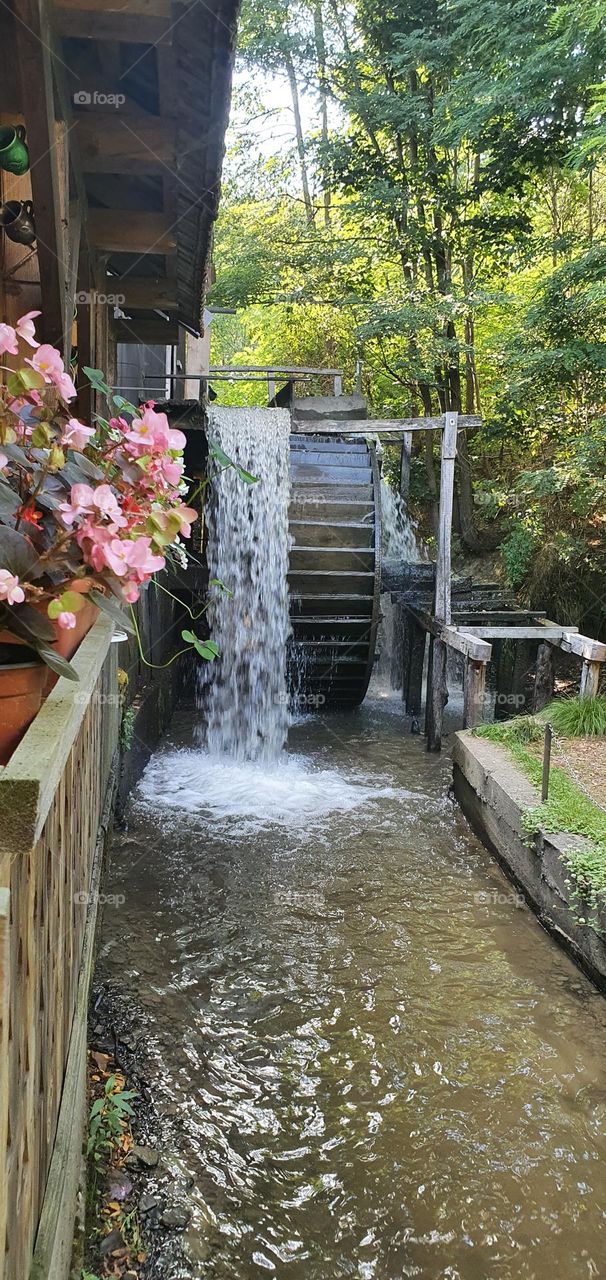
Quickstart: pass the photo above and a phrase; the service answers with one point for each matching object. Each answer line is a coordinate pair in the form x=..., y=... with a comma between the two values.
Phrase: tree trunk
x=323, y=83
x=300, y=137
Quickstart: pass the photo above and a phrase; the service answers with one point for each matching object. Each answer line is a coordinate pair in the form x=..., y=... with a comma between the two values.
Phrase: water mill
x=302, y=640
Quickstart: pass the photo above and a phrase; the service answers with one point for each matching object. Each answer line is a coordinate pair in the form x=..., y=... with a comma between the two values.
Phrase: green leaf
x=28, y=623
x=109, y=606
x=219, y=454
x=96, y=378
x=121, y=403
x=56, y=662
x=216, y=582
x=207, y=649
x=9, y=502
x=18, y=555
x=246, y=476
x=189, y=637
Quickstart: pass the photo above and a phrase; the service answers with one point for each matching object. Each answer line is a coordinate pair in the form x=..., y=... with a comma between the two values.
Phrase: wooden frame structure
x=125, y=105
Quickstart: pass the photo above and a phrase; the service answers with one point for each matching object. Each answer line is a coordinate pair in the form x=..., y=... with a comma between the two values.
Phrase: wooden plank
x=472, y=647
x=413, y=678
x=436, y=693
x=378, y=426
x=137, y=8
x=34, y=52
x=443, y=561
x=583, y=646
x=150, y=330
x=474, y=689
x=552, y=633
x=544, y=683
x=405, y=457
x=146, y=293
x=119, y=231
x=93, y=24
x=124, y=143
x=590, y=679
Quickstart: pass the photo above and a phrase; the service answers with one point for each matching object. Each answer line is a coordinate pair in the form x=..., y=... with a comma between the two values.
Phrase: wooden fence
x=52, y=798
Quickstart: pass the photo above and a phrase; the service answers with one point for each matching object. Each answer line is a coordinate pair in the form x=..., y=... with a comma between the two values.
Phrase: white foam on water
x=288, y=793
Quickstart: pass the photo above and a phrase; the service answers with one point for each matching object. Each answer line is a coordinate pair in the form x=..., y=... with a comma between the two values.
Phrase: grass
x=567, y=809
x=577, y=717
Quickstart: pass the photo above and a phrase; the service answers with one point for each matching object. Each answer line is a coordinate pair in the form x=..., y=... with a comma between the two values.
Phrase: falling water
x=398, y=530
x=244, y=691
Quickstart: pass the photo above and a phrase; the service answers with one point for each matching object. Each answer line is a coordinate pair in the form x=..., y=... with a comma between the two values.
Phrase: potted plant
x=87, y=512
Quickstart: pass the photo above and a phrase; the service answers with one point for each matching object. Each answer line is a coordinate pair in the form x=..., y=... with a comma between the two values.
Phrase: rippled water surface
x=382, y=1066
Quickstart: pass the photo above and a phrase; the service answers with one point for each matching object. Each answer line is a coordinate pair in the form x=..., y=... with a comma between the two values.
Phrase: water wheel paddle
x=334, y=570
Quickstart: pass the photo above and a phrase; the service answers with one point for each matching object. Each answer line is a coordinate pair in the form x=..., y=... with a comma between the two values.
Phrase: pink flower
x=172, y=470
x=8, y=340
x=131, y=592
x=48, y=362
x=80, y=503
x=26, y=328
x=3, y=460
x=65, y=386
x=142, y=559
x=76, y=434
x=106, y=502
x=10, y=589
x=66, y=620
x=187, y=516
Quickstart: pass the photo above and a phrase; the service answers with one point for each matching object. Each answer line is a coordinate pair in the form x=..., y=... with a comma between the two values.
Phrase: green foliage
x=517, y=551
x=566, y=810
x=107, y=1120
x=578, y=717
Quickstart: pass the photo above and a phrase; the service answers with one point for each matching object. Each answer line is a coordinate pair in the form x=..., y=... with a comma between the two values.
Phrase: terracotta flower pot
x=21, y=689
x=65, y=642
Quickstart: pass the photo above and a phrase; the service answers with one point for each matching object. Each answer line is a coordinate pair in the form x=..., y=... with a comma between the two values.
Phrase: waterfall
x=243, y=691
x=399, y=542
x=399, y=533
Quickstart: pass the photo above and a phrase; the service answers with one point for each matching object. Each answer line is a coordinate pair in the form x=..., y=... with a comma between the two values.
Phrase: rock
x=147, y=1203
x=142, y=1158
x=119, y=1187
x=175, y=1217
x=169, y=1109
x=111, y=1242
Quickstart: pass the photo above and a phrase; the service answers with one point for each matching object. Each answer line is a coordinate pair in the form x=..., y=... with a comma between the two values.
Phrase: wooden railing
x=52, y=796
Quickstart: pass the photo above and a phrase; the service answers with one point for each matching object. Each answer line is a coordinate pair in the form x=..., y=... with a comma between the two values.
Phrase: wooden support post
x=590, y=679
x=544, y=681
x=437, y=693
x=338, y=384
x=405, y=464
x=416, y=660
x=271, y=388
x=474, y=688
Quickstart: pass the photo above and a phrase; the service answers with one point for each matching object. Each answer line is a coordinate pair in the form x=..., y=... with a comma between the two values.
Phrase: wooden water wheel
x=334, y=574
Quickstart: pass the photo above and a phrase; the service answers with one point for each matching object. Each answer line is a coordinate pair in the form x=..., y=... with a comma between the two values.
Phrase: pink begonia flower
x=172, y=470
x=8, y=340
x=106, y=502
x=142, y=559
x=47, y=361
x=3, y=460
x=66, y=387
x=131, y=592
x=10, y=589
x=27, y=329
x=76, y=435
x=80, y=503
x=99, y=538
x=66, y=620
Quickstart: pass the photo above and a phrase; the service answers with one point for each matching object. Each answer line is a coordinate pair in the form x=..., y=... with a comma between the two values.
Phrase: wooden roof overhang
x=125, y=104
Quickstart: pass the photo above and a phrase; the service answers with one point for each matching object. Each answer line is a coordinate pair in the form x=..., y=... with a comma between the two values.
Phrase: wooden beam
x=544, y=681
x=145, y=294
x=137, y=8
x=379, y=426
x=474, y=689
x=131, y=144
x=92, y=24
x=590, y=679
x=122, y=231
x=583, y=646
x=34, y=52
x=148, y=330
x=551, y=633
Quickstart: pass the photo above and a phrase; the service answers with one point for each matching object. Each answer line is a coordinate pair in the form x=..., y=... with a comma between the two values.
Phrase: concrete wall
x=494, y=795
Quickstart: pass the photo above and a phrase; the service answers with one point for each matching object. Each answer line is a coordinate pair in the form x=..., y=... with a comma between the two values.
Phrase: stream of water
x=380, y=1064
x=376, y=1063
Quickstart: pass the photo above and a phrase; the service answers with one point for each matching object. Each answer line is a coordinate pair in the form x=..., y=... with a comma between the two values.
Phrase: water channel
x=381, y=1066
x=376, y=1063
